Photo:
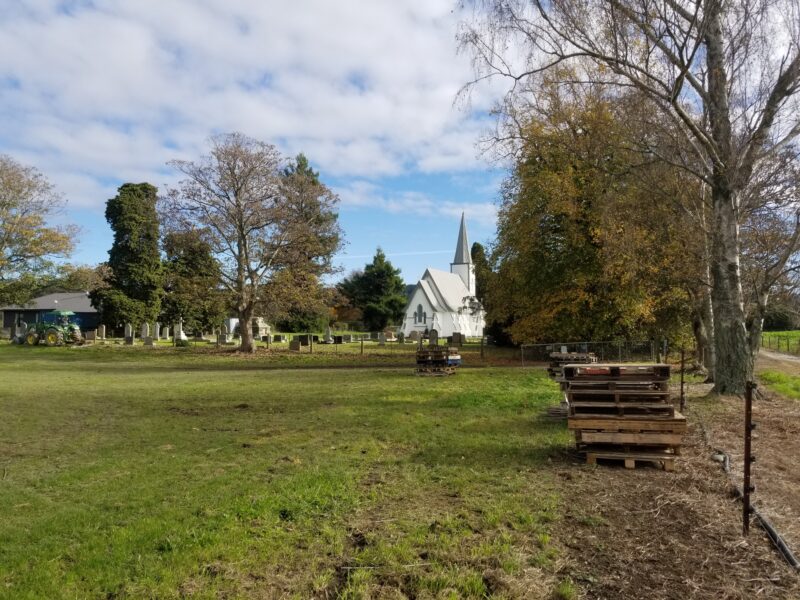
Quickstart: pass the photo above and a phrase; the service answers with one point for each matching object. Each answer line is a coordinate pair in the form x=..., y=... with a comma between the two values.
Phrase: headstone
x=338, y=339
x=165, y=332
x=155, y=330
x=90, y=336
x=433, y=337
x=458, y=339
x=148, y=341
x=145, y=330
x=388, y=335
x=373, y=335
x=277, y=338
x=563, y=349
x=179, y=334
x=128, y=334
x=328, y=335
x=303, y=339
x=266, y=338
x=260, y=327
x=381, y=339
x=315, y=338
x=101, y=332
x=401, y=337
x=414, y=336
x=347, y=338
x=294, y=345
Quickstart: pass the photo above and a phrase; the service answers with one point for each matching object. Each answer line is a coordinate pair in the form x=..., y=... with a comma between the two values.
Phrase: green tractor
x=56, y=330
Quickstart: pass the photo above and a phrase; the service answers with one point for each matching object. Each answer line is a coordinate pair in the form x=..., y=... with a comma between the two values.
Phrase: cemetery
x=400, y=300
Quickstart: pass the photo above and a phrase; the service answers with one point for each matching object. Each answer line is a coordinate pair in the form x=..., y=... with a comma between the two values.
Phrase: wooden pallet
x=621, y=409
x=665, y=459
x=629, y=423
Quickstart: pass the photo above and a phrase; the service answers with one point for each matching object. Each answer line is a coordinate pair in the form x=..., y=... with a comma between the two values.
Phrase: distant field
x=782, y=341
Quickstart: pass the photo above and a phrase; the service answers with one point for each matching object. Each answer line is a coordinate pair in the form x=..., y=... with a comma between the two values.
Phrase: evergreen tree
x=192, y=282
x=378, y=292
x=135, y=279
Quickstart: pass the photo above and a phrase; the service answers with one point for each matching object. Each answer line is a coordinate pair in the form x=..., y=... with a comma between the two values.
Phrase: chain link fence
x=613, y=351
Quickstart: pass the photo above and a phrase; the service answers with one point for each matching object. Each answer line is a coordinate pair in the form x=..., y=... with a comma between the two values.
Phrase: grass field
x=140, y=474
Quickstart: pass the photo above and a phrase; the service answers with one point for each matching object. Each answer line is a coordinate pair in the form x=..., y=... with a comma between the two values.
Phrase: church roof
x=462, y=256
x=447, y=288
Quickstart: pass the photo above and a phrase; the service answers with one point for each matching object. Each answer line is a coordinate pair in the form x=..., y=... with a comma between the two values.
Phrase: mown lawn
x=132, y=473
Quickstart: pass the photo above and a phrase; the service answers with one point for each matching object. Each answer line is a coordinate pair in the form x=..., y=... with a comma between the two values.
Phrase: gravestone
x=144, y=332
x=165, y=332
x=303, y=339
x=260, y=328
x=414, y=336
x=149, y=342
x=401, y=337
x=179, y=334
x=433, y=337
x=373, y=335
x=315, y=338
x=277, y=338
x=294, y=345
x=129, y=334
x=266, y=338
x=90, y=336
x=347, y=338
x=458, y=339
x=381, y=339
x=101, y=332
x=338, y=339
x=328, y=336
x=388, y=335
x=155, y=331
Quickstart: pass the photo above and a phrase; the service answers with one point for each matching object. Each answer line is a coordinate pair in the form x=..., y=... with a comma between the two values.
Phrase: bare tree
x=727, y=74
x=261, y=221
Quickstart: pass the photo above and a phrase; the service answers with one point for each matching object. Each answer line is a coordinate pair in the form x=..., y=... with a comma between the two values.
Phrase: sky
x=100, y=92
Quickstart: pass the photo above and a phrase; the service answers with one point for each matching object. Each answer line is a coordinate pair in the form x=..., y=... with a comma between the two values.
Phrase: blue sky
x=99, y=92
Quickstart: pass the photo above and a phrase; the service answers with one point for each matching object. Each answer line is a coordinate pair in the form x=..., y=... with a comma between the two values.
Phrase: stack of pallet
x=437, y=360
x=622, y=412
x=559, y=359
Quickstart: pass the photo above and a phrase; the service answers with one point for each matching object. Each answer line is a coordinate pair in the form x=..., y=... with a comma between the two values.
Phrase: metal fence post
x=683, y=369
x=522, y=354
x=747, y=487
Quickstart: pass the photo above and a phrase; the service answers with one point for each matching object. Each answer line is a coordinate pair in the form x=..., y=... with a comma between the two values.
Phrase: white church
x=446, y=301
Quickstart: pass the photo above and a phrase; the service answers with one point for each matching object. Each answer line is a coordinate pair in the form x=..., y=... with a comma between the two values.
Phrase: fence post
x=311, y=343
x=747, y=487
x=522, y=354
x=362, y=344
x=683, y=368
x=481, y=346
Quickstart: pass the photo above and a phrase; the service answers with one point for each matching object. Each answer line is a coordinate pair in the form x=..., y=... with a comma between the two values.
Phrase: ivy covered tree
x=378, y=292
x=191, y=282
x=135, y=275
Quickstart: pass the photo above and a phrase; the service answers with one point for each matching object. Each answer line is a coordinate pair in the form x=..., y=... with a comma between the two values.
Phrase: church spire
x=463, y=256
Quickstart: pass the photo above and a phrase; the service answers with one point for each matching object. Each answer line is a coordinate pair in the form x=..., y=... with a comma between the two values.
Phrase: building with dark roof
x=34, y=311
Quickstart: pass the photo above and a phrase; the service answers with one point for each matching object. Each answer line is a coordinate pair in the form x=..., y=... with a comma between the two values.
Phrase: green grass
x=785, y=385
x=782, y=341
x=133, y=473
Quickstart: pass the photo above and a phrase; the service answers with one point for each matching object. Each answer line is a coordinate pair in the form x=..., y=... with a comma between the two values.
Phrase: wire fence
x=611, y=351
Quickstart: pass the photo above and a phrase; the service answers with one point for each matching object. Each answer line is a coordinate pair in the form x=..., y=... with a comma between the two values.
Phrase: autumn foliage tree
x=29, y=246
x=723, y=80
x=264, y=220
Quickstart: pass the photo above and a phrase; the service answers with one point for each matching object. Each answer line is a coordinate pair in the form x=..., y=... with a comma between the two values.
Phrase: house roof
x=462, y=256
x=75, y=301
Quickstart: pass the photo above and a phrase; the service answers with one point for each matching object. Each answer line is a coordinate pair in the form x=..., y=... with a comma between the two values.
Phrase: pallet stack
x=559, y=359
x=437, y=360
x=622, y=412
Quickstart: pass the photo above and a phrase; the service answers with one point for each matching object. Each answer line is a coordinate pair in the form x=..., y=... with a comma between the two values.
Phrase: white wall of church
x=418, y=299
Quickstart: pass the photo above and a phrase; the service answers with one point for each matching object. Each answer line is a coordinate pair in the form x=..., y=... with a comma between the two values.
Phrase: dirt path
x=645, y=533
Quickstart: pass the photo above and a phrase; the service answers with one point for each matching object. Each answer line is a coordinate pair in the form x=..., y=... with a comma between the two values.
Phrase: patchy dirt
x=776, y=445
x=646, y=533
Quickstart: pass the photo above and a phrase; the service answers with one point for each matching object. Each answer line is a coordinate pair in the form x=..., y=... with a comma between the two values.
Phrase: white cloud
x=364, y=194
x=108, y=90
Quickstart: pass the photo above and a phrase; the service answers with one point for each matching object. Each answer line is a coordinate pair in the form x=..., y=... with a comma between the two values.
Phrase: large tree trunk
x=734, y=361
x=246, y=329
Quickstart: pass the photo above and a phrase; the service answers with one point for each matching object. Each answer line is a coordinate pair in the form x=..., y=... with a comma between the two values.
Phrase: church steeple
x=462, y=256
x=462, y=262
